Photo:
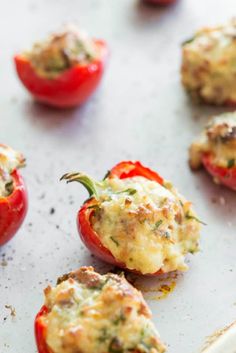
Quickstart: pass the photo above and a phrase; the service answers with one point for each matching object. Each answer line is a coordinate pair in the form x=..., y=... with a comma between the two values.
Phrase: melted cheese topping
x=61, y=51
x=218, y=139
x=89, y=312
x=209, y=64
x=9, y=161
x=147, y=226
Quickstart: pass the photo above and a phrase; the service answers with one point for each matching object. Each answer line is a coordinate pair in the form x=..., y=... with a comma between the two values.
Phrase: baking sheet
x=140, y=112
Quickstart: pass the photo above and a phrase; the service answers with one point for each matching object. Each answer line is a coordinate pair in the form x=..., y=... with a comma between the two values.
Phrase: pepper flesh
x=40, y=331
x=222, y=175
x=70, y=88
x=13, y=209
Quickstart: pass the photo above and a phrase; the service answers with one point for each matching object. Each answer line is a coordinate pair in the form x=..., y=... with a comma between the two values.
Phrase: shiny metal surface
x=139, y=112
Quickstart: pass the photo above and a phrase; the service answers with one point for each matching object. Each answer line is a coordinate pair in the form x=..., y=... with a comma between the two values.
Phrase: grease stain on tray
x=154, y=288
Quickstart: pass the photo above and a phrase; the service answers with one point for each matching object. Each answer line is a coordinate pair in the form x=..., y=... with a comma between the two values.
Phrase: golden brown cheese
x=89, y=312
x=145, y=225
x=9, y=161
x=209, y=64
x=61, y=51
x=218, y=139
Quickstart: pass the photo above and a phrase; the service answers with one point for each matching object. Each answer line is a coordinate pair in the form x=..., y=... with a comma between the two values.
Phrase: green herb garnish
x=157, y=224
x=231, y=163
x=121, y=318
x=129, y=191
x=107, y=175
x=9, y=187
x=189, y=216
x=190, y=40
x=115, y=241
x=104, y=335
x=115, y=346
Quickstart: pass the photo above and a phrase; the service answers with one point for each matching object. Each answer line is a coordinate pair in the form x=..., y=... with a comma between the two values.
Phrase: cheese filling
x=62, y=50
x=9, y=161
x=209, y=64
x=89, y=312
x=145, y=225
x=218, y=139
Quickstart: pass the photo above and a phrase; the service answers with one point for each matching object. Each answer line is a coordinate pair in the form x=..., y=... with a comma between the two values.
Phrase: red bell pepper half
x=70, y=88
x=89, y=237
x=13, y=208
x=223, y=175
x=40, y=330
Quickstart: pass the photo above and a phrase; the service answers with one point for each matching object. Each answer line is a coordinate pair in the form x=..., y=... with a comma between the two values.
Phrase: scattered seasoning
x=165, y=290
x=52, y=210
x=12, y=310
x=42, y=196
x=4, y=262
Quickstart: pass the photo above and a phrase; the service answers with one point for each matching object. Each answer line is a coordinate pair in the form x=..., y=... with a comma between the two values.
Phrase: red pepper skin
x=226, y=176
x=13, y=209
x=89, y=237
x=71, y=88
x=160, y=2
x=40, y=330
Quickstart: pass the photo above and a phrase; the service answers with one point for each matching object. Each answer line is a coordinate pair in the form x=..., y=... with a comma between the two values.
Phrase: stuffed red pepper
x=87, y=312
x=13, y=195
x=208, y=64
x=160, y=2
x=137, y=220
x=65, y=69
x=215, y=149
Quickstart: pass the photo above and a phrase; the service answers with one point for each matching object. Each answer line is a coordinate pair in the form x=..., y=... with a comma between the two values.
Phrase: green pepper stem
x=89, y=183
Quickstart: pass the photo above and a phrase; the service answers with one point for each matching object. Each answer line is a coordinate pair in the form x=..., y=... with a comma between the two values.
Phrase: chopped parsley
x=231, y=163
x=187, y=41
x=115, y=346
x=129, y=191
x=189, y=216
x=9, y=187
x=120, y=319
x=107, y=175
x=104, y=335
x=157, y=224
x=114, y=241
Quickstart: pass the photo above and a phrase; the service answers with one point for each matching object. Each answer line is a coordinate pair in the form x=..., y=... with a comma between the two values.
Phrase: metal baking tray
x=140, y=112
